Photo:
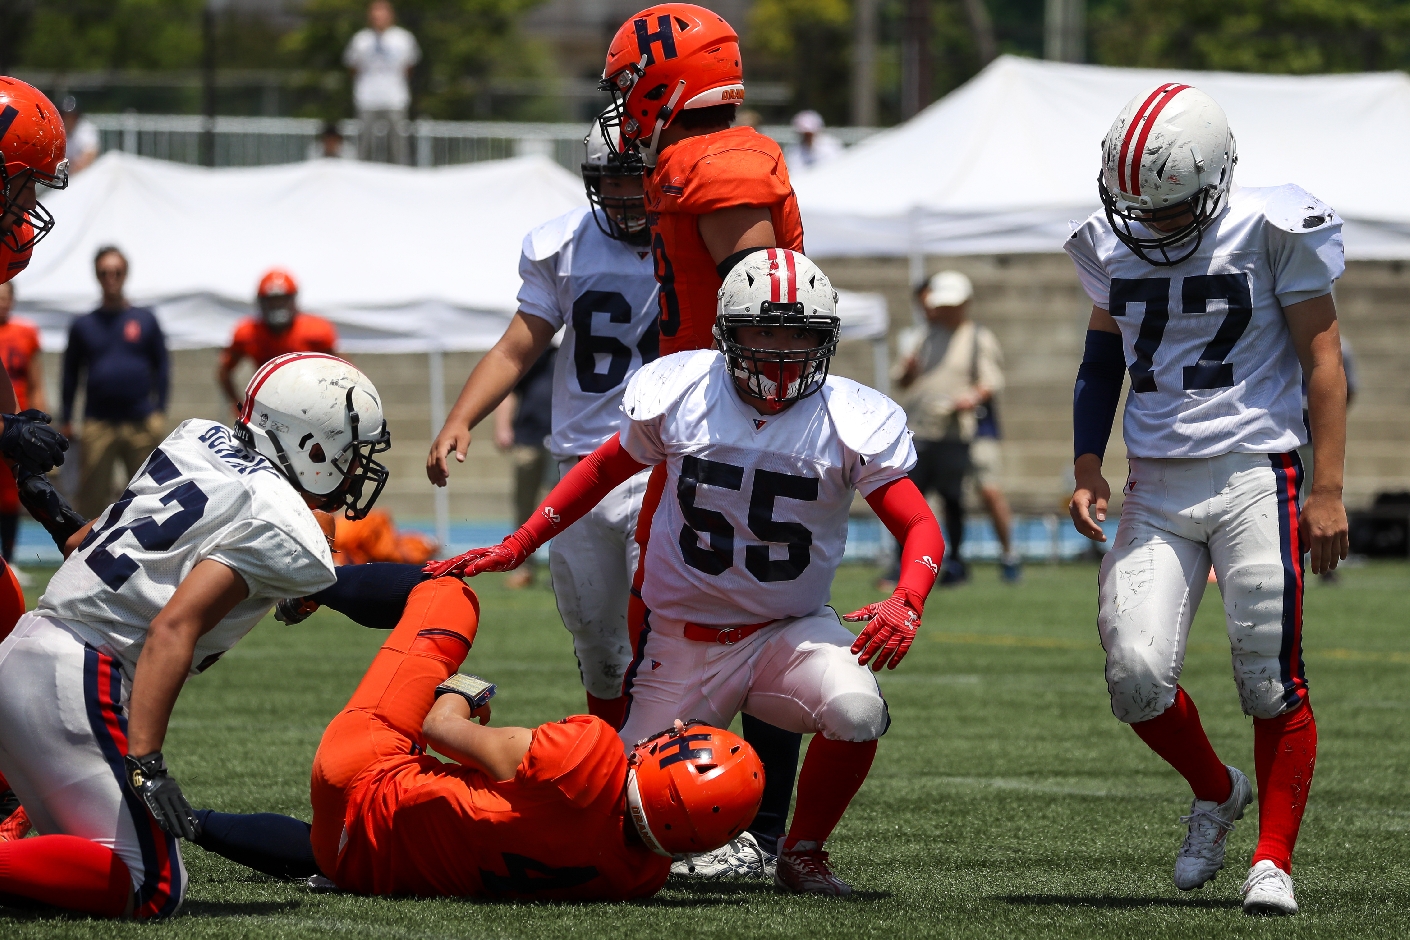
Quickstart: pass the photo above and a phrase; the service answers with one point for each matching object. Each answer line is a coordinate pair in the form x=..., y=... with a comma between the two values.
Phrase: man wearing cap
x=280, y=328
x=813, y=147
x=952, y=369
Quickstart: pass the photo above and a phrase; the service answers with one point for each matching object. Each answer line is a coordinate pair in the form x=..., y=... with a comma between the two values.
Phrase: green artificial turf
x=1005, y=800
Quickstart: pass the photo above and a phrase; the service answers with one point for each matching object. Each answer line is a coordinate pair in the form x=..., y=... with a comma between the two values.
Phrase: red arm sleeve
x=906, y=514
x=582, y=488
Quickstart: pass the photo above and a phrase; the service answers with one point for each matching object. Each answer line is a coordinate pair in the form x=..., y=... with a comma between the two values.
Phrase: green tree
x=1298, y=36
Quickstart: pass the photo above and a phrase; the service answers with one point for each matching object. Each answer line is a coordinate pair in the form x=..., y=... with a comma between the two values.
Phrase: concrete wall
x=1035, y=306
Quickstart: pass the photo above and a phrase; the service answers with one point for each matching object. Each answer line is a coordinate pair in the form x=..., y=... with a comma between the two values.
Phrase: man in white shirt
x=381, y=57
x=83, y=139
x=814, y=147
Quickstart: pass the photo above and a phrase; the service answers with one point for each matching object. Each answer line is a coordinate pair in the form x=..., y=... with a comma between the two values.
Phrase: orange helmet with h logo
x=32, y=146
x=693, y=788
x=666, y=59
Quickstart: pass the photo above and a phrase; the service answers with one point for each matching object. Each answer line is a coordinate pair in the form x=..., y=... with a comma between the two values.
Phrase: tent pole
x=436, y=369
x=881, y=365
x=916, y=269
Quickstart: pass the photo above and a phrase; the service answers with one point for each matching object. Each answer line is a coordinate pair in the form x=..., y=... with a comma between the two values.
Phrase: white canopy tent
x=1002, y=164
x=402, y=260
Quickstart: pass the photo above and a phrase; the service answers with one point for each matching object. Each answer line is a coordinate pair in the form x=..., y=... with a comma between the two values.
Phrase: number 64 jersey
x=1212, y=364
x=200, y=495
x=753, y=519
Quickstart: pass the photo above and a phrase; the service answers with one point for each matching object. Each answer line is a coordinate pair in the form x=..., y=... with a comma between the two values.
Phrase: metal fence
x=255, y=141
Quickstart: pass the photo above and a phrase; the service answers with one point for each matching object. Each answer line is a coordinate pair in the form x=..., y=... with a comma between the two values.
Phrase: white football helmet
x=775, y=287
x=320, y=421
x=1169, y=152
x=619, y=217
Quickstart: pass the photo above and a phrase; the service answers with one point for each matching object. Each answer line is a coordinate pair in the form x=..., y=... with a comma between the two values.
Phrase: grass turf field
x=1005, y=800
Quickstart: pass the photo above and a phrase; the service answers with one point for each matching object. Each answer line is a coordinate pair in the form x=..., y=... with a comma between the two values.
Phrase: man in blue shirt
x=123, y=351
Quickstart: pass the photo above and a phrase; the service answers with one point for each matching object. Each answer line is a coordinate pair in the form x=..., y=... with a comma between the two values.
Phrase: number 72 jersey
x=1212, y=364
x=200, y=495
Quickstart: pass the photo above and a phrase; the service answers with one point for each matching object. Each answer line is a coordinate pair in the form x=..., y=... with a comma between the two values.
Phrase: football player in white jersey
x=589, y=273
x=1217, y=300
x=763, y=451
x=214, y=528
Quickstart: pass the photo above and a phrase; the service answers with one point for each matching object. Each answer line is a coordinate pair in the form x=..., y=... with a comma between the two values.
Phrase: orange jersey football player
x=556, y=812
x=19, y=352
x=280, y=328
x=714, y=195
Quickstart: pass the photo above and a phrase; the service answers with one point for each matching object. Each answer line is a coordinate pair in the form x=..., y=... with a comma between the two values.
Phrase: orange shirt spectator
x=280, y=328
x=19, y=351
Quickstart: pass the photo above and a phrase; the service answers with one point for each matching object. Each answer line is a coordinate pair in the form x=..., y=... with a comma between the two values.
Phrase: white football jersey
x=753, y=520
x=1212, y=364
x=200, y=495
x=604, y=292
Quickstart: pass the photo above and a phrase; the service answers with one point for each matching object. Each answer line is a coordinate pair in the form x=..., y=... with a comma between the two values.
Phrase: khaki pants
x=382, y=136
x=104, y=444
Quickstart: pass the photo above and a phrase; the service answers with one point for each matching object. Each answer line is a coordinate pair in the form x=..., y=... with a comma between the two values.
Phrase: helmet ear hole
x=316, y=454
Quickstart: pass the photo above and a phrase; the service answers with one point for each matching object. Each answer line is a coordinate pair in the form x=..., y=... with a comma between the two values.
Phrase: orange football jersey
x=11, y=261
x=694, y=177
x=556, y=831
x=255, y=340
x=19, y=342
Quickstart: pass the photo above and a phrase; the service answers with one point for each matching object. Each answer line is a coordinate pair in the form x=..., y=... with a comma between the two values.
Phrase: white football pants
x=63, y=737
x=798, y=674
x=592, y=563
x=1238, y=512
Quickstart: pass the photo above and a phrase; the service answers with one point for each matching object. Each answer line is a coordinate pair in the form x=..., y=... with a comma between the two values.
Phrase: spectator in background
x=19, y=348
x=814, y=147
x=280, y=328
x=123, y=352
x=522, y=422
x=956, y=367
x=986, y=461
x=330, y=141
x=82, y=135
x=381, y=57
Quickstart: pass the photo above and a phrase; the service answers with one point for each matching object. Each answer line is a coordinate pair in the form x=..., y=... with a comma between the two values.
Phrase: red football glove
x=892, y=629
x=506, y=556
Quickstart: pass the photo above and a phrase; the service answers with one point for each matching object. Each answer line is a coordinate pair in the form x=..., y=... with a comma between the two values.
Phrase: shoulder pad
x=549, y=238
x=1293, y=209
x=658, y=385
x=867, y=421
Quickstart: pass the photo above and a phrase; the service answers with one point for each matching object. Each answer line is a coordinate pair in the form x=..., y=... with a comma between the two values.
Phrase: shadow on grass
x=238, y=908
x=704, y=893
x=1114, y=902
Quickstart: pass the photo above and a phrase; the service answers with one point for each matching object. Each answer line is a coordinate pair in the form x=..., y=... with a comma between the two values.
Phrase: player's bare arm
x=1317, y=338
x=492, y=379
x=451, y=728
x=203, y=599
x=1092, y=493
x=738, y=228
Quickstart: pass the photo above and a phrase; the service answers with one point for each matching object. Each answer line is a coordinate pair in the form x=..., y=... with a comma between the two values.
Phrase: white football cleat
x=743, y=857
x=1268, y=890
x=1202, y=853
x=804, y=870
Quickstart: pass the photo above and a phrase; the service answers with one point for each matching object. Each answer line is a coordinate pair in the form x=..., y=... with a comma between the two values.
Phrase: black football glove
x=47, y=506
x=30, y=442
x=159, y=790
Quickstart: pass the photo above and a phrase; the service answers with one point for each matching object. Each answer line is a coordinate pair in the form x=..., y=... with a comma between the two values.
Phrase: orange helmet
x=277, y=283
x=693, y=788
x=32, y=145
x=664, y=60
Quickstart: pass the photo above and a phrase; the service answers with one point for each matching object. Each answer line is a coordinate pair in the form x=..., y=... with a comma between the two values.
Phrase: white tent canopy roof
x=400, y=259
x=1002, y=164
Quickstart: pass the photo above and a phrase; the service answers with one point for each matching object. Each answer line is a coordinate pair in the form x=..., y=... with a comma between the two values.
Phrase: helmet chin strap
x=663, y=117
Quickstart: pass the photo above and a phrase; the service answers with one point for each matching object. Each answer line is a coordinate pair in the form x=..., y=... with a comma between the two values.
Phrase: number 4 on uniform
x=1213, y=370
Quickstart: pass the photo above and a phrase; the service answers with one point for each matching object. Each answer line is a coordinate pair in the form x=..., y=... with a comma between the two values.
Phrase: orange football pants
x=382, y=720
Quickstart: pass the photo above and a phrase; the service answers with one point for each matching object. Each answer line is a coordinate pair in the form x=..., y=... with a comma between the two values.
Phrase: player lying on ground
x=389, y=819
x=589, y=273
x=714, y=194
x=762, y=451
x=1217, y=300
x=32, y=145
x=212, y=530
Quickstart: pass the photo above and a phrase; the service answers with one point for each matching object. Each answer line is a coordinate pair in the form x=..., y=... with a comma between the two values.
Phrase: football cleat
x=1202, y=853
x=804, y=870
x=742, y=857
x=294, y=610
x=1268, y=890
x=15, y=826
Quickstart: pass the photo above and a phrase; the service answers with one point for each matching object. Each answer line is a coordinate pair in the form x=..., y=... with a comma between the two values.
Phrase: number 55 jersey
x=200, y=495
x=1212, y=364
x=753, y=519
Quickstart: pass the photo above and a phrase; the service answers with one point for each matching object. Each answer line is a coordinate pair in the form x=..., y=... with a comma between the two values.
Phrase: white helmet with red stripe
x=775, y=288
x=320, y=421
x=1167, y=165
